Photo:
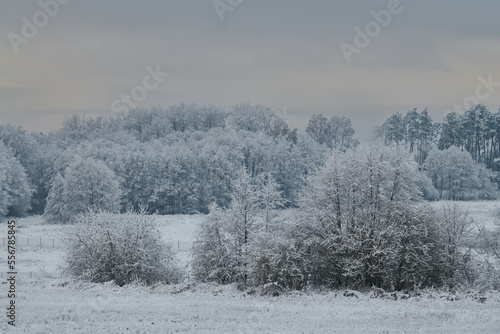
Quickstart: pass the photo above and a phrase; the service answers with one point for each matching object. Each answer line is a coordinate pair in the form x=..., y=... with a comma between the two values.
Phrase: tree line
x=172, y=160
x=182, y=158
x=476, y=131
x=459, y=155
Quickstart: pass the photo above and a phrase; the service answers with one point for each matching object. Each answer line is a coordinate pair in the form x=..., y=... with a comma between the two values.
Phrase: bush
x=489, y=249
x=458, y=239
x=121, y=248
x=212, y=257
x=277, y=261
x=361, y=225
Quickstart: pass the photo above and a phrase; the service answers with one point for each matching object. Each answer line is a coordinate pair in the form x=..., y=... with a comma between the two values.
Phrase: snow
x=485, y=213
x=179, y=229
x=54, y=306
x=60, y=305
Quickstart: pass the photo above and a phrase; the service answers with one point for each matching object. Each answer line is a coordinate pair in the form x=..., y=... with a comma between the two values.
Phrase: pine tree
x=451, y=134
x=393, y=130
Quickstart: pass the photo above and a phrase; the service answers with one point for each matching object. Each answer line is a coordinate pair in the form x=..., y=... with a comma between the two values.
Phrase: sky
x=362, y=59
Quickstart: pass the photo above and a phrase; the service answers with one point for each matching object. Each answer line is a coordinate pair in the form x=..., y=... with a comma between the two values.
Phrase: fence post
x=178, y=245
x=52, y=242
x=28, y=241
x=40, y=242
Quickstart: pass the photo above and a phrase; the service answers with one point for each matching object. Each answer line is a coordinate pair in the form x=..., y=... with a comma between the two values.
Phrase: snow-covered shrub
x=412, y=252
x=488, y=270
x=121, y=248
x=276, y=260
x=458, y=234
x=87, y=184
x=212, y=257
x=362, y=225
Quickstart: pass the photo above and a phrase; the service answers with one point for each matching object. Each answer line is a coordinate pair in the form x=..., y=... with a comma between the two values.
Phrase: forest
x=182, y=158
x=174, y=160
x=361, y=219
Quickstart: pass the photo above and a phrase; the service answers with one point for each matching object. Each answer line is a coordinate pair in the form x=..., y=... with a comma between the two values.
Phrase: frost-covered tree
x=336, y=132
x=451, y=132
x=278, y=260
x=87, y=184
x=243, y=217
x=15, y=188
x=477, y=131
x=223, y=250
x=56, y=210
x=178, y=159
x=393, y=130
x=28, y=151
x=416, y=130
x=252, y=118
x=374, y=181
x=270, y=200
x=360, y=226
x=213, y=260
x=457, y=176
x=428, y=190
x=318, y=128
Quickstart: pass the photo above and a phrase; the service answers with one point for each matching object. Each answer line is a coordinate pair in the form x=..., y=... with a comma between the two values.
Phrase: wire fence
x=41, y=242
x=59, y=243
x=52, y=242
x=32, y=275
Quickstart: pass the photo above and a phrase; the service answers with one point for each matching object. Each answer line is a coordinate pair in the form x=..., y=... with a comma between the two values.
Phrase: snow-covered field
x=485, y=213
x=49, y=303
x=51, y=306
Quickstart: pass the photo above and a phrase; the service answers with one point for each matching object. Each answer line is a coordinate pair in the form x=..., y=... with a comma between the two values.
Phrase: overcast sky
x=285, y=54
